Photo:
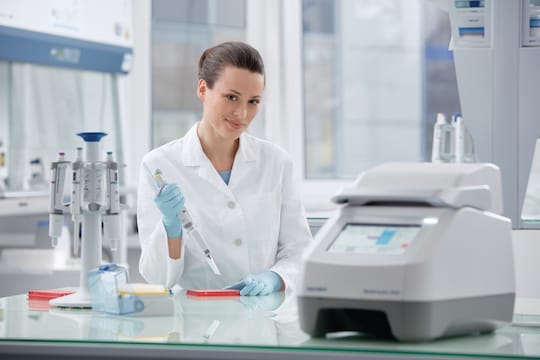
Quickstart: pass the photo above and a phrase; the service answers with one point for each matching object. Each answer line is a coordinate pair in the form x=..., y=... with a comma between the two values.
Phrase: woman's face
x=230, y=106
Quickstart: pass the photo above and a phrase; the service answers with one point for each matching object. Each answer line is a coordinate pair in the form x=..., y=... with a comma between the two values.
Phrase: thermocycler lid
x=441, y=185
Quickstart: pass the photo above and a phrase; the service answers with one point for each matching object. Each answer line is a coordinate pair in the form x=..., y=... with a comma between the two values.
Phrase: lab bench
x=263, y=327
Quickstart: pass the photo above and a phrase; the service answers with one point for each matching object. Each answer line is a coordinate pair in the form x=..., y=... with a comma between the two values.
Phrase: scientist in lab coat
x=239, y=190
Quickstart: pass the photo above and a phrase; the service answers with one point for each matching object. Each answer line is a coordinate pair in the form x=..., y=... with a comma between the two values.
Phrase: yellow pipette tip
x=159, y=180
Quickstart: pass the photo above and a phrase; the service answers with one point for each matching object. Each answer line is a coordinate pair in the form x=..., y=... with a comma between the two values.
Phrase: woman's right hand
x=170, y=202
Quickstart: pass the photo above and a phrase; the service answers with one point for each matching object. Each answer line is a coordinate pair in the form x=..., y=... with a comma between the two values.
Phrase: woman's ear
x=201, y=89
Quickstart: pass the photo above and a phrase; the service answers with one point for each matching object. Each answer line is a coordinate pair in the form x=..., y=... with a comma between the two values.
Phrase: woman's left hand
x=261, y=284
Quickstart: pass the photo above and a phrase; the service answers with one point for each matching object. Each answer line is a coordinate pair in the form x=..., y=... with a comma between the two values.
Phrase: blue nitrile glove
x=261, y=284
x=170, y=201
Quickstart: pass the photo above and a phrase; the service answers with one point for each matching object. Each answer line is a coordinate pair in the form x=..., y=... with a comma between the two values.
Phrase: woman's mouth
x=235, y=125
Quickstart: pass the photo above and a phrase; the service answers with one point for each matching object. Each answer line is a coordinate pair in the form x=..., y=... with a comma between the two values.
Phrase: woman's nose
x=240, y=111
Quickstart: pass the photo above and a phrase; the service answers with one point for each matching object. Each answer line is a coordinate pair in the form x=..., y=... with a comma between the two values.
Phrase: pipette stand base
x=77, y=300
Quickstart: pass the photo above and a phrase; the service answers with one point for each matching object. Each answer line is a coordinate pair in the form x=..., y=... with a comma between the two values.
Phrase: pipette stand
x=91, y=237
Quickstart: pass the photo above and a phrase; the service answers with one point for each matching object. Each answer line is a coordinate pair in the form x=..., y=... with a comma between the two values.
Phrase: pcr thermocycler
x=418, y=251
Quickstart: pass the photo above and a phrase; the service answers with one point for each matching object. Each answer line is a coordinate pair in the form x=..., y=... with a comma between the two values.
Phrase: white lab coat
x=256, y=223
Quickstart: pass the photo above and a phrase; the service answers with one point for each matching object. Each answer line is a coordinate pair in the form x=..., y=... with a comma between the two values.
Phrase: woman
x=238, y=189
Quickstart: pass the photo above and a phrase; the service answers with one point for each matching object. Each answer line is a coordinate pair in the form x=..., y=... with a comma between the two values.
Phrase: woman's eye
x=255, y=101
x=232, y=97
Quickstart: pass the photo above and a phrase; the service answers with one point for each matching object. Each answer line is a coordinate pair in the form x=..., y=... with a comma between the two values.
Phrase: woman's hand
x=170, y=202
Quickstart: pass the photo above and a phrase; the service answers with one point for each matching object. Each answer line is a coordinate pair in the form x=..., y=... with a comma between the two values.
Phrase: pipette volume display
x=187, y=223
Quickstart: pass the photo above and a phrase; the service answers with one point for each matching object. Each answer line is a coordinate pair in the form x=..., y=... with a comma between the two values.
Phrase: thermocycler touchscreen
x=374, y=239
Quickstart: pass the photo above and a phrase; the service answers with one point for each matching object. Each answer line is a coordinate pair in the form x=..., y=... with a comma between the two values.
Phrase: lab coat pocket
x=262, y=215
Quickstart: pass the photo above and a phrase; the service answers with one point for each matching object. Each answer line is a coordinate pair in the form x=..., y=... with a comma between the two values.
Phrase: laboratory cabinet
x=264, y=327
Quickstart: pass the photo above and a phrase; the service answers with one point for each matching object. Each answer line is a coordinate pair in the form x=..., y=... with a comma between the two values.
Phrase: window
x=375, y=75
x=42, y=110
x=181, y=31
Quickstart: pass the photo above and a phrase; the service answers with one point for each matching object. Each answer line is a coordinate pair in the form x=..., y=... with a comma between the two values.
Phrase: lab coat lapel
x=244, y=161
x=209, y=174
x=194, y=156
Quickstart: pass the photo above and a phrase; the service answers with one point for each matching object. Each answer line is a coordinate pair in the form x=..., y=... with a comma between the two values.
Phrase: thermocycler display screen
x=374, y=239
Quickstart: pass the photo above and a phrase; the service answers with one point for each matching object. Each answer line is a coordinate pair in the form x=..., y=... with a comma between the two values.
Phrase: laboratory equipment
x=56, y=197
x=463, y=141
x=103, y=284
x=531, y=23
x=111, y=292
x=192, y=231
x=46, y=295
x=24, y=223
x=59, y=74
x=62, y=73
x=95, y=197
x=422, y=257
x=111, y=225
x=76, y=199
x=36, y=179
x=213, y=293
x=443, y=145
x=452, y=142
x=496, y=52
x=459, y=137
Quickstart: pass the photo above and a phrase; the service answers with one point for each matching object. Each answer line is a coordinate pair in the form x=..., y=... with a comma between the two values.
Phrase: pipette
x=56, y=197
x=187, y=223
x=76, y=200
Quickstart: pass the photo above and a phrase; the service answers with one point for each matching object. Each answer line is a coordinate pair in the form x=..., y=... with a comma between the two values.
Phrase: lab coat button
x=238, y=242
x=231, y=204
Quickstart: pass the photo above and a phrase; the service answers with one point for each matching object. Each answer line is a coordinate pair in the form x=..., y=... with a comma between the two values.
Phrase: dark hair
x=238, y=54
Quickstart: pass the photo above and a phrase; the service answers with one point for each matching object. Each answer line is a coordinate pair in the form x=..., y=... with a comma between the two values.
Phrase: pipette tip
x=159, y=180
x=213, y=265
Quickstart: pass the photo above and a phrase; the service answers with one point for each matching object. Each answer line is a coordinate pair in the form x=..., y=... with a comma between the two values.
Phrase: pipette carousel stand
x=95, y=195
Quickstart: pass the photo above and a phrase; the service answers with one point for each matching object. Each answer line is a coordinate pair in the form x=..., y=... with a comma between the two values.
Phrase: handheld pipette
x=187, y=223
